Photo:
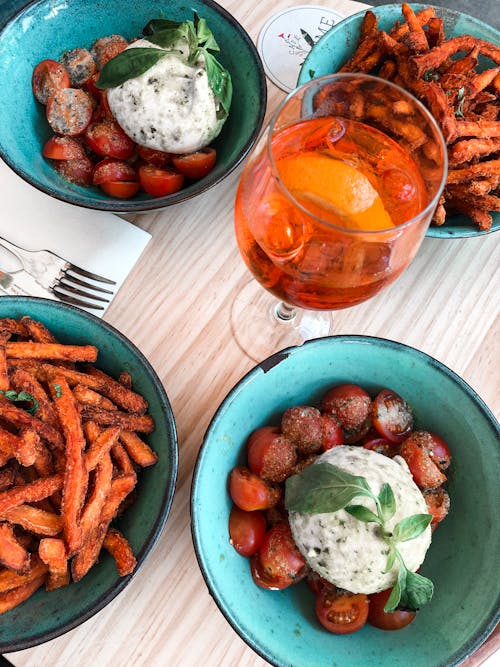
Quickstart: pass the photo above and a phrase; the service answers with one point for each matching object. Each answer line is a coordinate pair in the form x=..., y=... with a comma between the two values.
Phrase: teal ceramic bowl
x=339, y=43
x=42, y=30
x=48, y=615
x=463, y=558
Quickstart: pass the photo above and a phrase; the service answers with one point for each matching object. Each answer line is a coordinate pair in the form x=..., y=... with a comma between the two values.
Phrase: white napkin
x=97, y=241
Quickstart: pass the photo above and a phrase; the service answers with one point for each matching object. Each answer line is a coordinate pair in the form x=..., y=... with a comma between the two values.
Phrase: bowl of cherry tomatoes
x=372, y=394
x=59, y=132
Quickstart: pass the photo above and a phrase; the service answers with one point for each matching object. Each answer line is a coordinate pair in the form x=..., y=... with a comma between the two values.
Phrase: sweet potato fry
x=481, y=129
x=37, y=331
x=88, y=396
x=415, y=39
x=101, y=444
x=439, y=54
x=57, y=351
x=12, y=555
x=423, y=17
x=72, y=377
x=34, y=519
x=75, y=474
x=23, y=447
x=479, y=216
x=125, y=398
x=20, y=418
x=125, y=420
x=86, y=557
x=6, y=478
x=122, y=460
x=466, y=150
x=137, y=449
x=13, y=327
x=15, y=596
x=4, y=377
x=29, y=493
x=125, y=379
x=52, y=552
x=435, y=31
x=10, y=579
x=369, y=25
x=480, y=81
x=22, y=380
x=118, y=546
x=481, y=170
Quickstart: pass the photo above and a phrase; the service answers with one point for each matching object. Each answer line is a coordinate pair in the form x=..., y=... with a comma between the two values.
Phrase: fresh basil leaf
x=160, y=24
x=204, y=35
x=390, y=559
x=417, y=592
x=395, y=596
x=8, y=393
x=219, y=80
x=387, y=502
x=127, y=65
x=21, y=397
x=411, y=527
x=362, y=513
x=167, y=38
x=323, y=487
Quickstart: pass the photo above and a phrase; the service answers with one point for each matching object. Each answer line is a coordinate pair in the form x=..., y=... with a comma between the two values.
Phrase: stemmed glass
x=332, y=205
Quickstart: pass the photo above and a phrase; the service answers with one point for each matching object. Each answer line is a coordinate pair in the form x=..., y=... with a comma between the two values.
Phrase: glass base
x=263, y=325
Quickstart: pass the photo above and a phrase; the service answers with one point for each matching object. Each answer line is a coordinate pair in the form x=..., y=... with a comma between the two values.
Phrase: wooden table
x=175, y=306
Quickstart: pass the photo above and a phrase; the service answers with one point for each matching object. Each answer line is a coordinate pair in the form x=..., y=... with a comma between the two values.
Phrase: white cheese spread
x=348, y=552
x=170, y=107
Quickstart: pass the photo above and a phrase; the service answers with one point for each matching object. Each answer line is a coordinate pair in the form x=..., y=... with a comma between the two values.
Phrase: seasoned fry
x=22, y=419
x=52, y=552
x=125, y=398
x=101, y=444
x=34, y=519
x=415, y=39
x=125, y=379
x=29, y=493
x=481, y=129
x=75, y=474
x=127, y=421
x=466, y=149
x=4, y=377
x=6, y=478
x=12, y=555
x=13, y=327
x=37, y=331
x=10, y=579
x=137, y=449
x=482, y=169
x=88, y=396
x=22, y=380
x=120, y=549
x=122, y=460
x=52, y=351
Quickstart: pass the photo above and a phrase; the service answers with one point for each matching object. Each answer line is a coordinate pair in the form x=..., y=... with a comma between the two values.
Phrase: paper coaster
x=287, y=37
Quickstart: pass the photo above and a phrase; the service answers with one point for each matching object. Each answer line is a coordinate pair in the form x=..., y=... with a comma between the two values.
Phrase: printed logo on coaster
x=287, y=37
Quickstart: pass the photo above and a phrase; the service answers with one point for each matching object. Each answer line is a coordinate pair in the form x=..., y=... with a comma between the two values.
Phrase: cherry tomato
x=106, y=48
x=91, y=87
x=264, y=580
x=107, y=139
x=154, y=157
x=195, y=165
x=303, y=426
x=120, y=189
x=316, y=583
x=69, y=111
x=63, y=148
x=439, y=451
x=333, y=435
x=341, y=613
x=110, y=170
x=392, y=416
x=387, y=621
x=382, y=446
x=246, y=530
x=48, y=77
x=425, y=472
x=279, y=556
x=78, y=171
x=249, y=492
x=438, y=504
x=350, y=405
x=103, y=110
x=159, y=182
x=271, y=455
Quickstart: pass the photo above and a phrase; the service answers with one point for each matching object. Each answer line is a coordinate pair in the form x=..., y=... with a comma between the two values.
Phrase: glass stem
x=284, y=312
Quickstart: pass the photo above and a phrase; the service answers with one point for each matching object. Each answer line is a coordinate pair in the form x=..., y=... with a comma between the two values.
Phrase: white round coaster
x=287, y=37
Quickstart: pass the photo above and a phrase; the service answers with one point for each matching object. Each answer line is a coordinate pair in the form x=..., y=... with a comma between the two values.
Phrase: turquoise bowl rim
x=159, y=524
x=264, y=366
x=446, y=232
x=159, y=203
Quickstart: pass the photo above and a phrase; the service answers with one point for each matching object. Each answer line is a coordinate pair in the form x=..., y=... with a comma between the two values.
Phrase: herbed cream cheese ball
x=348, y=552
x=170, y=107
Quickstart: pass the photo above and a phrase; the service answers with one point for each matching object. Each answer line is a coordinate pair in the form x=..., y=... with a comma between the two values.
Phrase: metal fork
x=53, y=274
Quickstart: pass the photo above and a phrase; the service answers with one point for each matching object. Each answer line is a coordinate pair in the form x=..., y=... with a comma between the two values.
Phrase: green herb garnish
x=459, y=112
x=326, y=488
x=58, y=390
x=168, y=34
x=431, y=76
x=21, y=397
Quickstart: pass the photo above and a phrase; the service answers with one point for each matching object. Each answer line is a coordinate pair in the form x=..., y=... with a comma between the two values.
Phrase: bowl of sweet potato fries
x=88, y=467
x=451, y=62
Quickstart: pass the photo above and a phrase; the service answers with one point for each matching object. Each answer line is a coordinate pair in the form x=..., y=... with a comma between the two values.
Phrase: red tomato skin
x=383, y=620
x=303, y=426
x=270, y=454
x=440, y=452
x=154, y=157
x=333, y=435
x=120, y=189
x=110, y=170
x=425, y=472
x=246, y=530
x=279, y=556
x=263, y=580
x=350, y=405
x=382, y=446
x=438, y=504
x=78, y=171
x=106, y=139
x=249, y=492
x=196, y=165
x=392, y=416
x=63, y=148
x=48, y=77
x=341, y=614
x=160, y=182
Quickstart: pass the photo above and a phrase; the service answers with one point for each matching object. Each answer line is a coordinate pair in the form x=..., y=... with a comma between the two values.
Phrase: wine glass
x=332, y=205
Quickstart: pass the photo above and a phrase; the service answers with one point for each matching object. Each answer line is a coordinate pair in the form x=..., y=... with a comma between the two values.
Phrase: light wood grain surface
x=175, y=306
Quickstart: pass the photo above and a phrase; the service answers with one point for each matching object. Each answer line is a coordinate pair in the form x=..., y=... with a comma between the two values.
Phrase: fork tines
x=68, y=287
x=87, y=274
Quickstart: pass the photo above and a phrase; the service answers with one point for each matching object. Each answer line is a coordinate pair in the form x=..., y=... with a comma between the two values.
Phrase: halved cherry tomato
x=384, y=620
x=159, y=182
x=107, y=139
x=439, y=451
x=103, y=110
x=90, y=85
x=249, y=492
x=271, y=455
x=63, y=148
x=196, y=165
x=382, y=446
x=120, y=189
x=154, y=157
x=341, y=613
x=110, y=169
x=246, y=530
x=48, y=77
x=279, y=556
x=78, y=171
x=333, y=435
x=392, y=416
x=350, y=405
x=264, y=580
x=438, y=504
x=425, y=472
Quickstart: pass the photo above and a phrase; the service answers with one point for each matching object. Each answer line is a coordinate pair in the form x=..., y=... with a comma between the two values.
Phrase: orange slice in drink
x=334, y=191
